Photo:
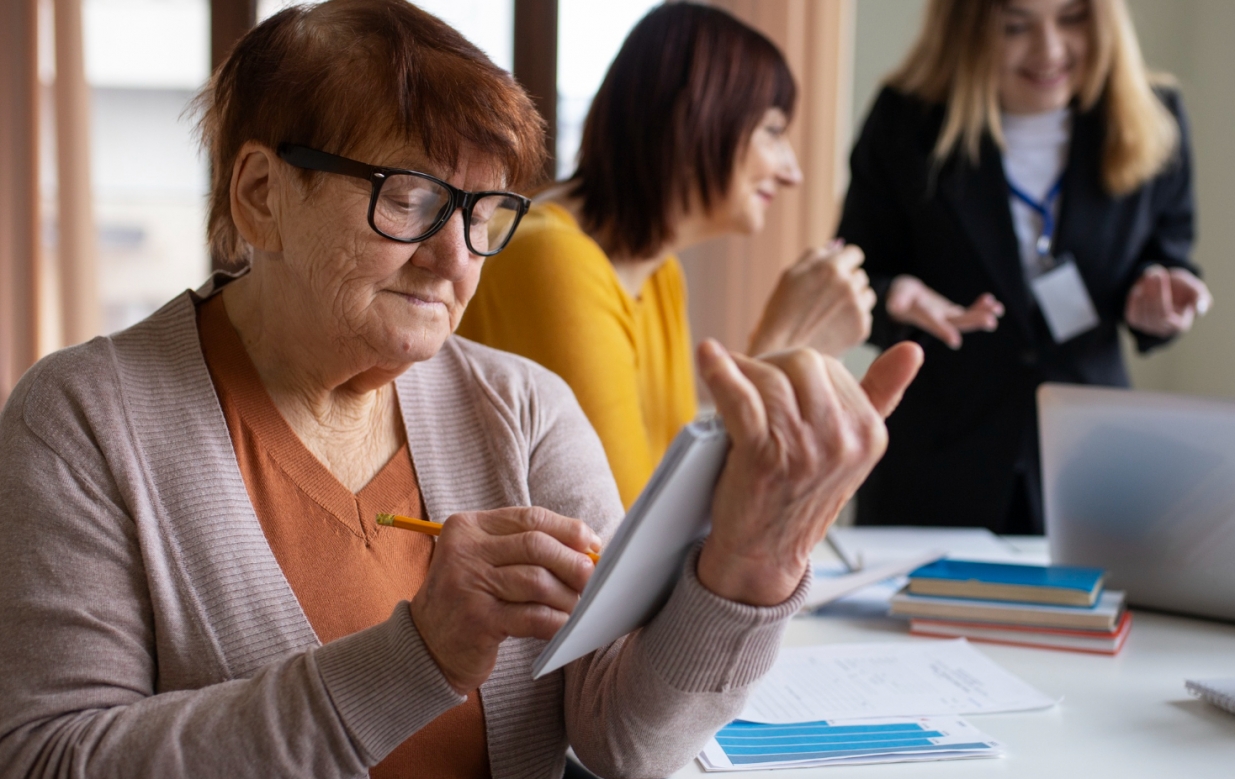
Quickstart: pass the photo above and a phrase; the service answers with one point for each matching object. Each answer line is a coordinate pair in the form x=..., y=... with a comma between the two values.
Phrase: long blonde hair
x=954, y=61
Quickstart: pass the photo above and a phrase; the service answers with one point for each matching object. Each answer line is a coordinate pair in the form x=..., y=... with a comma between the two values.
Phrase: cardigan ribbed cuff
x=701, y=642
x=385, y=684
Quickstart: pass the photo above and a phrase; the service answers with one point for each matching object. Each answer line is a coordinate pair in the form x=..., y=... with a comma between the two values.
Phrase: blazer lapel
x=979, y=198
x=1085, y=230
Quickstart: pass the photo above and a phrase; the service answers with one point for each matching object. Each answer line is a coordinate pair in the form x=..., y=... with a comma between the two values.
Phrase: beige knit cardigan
x=146, y=629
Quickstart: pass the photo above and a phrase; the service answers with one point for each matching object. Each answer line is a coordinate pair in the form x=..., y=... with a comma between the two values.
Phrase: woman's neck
x=633, y=272
x=341, y=406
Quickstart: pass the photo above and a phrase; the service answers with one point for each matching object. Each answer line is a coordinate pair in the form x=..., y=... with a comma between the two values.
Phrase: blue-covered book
x=1062, y=585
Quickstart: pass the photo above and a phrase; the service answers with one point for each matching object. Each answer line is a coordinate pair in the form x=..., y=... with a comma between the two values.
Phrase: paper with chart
x=748, y=746
x=860, y=681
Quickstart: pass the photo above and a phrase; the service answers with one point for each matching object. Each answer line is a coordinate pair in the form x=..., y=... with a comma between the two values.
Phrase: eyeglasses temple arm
x=312, y=159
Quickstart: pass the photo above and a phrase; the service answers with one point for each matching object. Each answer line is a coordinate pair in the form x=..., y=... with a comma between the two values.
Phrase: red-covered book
x=1101, y=642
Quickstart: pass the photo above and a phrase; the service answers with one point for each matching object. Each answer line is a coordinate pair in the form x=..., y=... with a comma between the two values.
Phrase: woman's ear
x=254, y=191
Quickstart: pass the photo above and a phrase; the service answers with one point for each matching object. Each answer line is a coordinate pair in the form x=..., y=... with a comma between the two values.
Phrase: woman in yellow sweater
x=685, y=141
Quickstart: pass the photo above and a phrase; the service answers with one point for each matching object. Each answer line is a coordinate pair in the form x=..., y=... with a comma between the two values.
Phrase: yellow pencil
x=433, y=528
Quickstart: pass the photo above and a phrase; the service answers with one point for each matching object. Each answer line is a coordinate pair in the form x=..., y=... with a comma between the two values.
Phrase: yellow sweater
x=553, y=297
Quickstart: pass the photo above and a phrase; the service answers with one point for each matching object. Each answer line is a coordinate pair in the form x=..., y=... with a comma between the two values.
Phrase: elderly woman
x=192, y=580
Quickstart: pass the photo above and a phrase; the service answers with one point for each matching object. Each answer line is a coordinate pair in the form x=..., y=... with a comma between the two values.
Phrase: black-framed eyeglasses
x=409, y=206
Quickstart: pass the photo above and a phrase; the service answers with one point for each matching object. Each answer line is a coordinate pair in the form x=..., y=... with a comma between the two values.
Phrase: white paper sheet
x=825, y=589
x=916, y=679
x=872, y=546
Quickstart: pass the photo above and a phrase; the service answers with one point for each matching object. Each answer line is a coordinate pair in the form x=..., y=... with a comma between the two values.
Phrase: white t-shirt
x=1035, y=153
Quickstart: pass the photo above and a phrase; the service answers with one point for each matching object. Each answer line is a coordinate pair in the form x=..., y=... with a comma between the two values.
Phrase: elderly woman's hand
x=823, y=300
x=805, y=436
x=514, y=572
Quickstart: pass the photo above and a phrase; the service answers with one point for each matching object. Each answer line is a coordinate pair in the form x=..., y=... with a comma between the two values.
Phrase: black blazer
x=963, y=444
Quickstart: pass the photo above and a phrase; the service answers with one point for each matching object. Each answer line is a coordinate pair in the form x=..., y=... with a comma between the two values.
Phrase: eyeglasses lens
x=493, y=220
x=409, y=206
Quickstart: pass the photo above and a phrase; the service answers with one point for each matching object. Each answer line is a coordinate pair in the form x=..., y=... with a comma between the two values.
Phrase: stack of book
x=1047, y=606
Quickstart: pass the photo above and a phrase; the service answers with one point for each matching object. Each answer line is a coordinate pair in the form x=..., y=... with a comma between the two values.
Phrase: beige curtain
x=731, y=278
x=24, y=259
x=76, y=254
x=19, y=244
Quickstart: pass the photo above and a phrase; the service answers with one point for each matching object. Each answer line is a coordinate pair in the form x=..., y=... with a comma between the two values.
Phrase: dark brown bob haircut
x=675, y=110
x=348, y=76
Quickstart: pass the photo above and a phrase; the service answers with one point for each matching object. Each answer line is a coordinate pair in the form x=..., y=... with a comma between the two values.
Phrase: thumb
x=737, y=400
x=889, y=376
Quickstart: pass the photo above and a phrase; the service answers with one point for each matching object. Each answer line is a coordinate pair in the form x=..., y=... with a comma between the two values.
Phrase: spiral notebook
x=640, y=566
x=1219, y=692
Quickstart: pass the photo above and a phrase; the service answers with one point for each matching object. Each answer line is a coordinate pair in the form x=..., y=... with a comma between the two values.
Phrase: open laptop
x=1143, y=485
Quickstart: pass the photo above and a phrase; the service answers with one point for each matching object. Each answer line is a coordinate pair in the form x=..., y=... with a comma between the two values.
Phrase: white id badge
x=1065, y=302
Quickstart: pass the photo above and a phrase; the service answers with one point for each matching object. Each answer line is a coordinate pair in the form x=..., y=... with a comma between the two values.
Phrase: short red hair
x=350, y=74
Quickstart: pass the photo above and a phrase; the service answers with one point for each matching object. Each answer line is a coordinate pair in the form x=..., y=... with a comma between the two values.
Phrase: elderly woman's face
x=398, y=301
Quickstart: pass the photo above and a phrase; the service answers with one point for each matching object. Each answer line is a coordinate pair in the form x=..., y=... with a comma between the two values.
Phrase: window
x=589, y=34
x=145, y=60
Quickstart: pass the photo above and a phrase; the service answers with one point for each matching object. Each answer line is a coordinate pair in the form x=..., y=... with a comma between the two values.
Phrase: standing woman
x=1022, y=187
x=685, y=141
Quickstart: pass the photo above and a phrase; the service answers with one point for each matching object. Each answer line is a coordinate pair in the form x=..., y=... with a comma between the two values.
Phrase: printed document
x=748, y=746
x=917, y=679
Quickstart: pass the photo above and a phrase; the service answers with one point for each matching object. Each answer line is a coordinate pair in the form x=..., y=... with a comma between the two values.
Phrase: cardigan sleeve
x=81, y=692
x=645, y=705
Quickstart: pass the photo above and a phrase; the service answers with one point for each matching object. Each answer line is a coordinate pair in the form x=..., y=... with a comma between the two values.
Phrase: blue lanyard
x=1043, y=210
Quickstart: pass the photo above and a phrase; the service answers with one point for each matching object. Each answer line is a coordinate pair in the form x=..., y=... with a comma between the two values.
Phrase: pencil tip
x=385, y=519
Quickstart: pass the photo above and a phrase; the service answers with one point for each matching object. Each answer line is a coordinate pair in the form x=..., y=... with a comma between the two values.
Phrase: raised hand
x=1166, y=302
x=805, y=436
x=911, y=302
x=514, y=572
x=823, y=300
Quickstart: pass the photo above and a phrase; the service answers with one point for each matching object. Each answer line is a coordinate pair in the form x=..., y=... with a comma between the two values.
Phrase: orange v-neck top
x=347, y=571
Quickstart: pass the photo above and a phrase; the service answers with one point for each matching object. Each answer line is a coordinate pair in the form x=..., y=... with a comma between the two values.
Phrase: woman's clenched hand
x=823, y=300
x=805, y=435
x=514, y=572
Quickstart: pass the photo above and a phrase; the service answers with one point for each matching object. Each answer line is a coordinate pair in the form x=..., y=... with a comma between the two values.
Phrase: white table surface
x=1125, y=717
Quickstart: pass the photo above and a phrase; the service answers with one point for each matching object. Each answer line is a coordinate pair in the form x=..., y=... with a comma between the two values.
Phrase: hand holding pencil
x=513, y=572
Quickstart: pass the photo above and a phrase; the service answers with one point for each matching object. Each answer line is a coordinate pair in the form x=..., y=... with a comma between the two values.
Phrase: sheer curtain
x=48, y=282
